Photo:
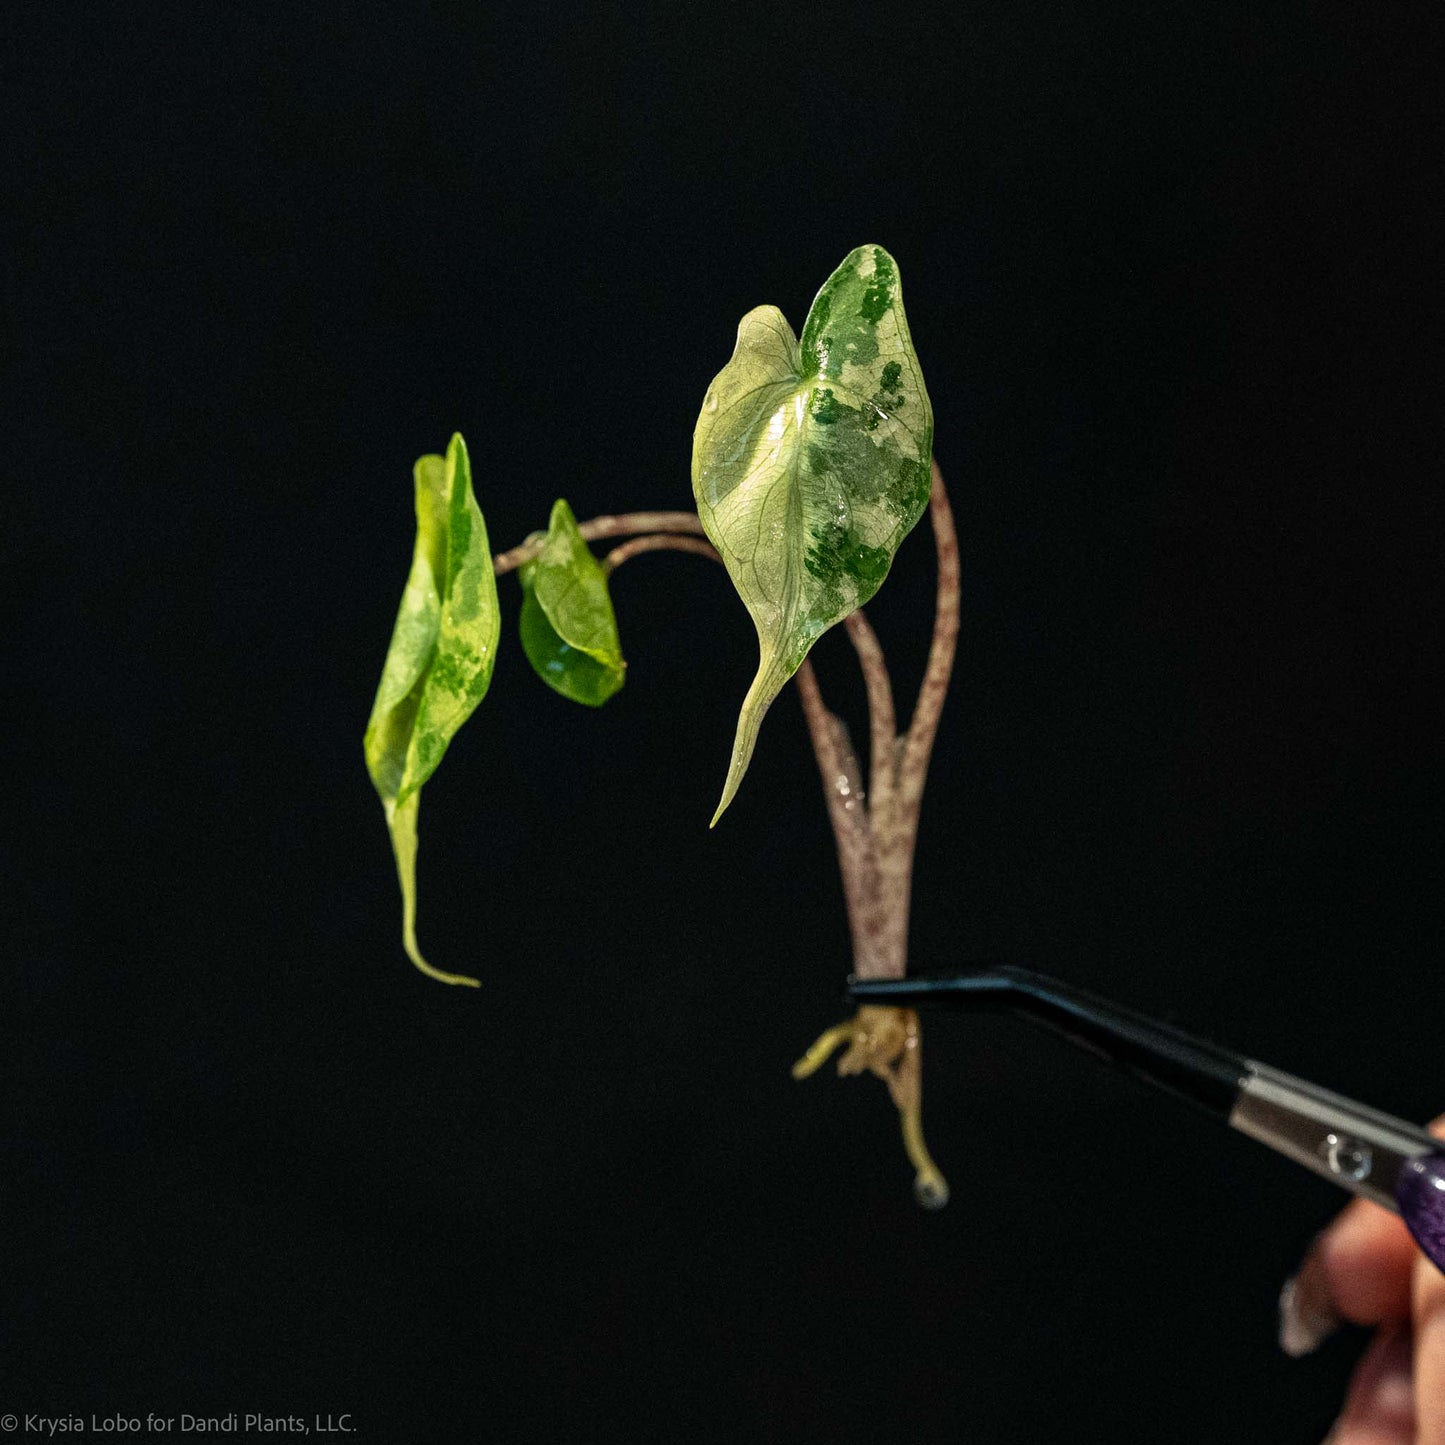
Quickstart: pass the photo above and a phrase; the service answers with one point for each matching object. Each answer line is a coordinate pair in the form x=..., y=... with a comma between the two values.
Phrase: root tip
x=931, y=1190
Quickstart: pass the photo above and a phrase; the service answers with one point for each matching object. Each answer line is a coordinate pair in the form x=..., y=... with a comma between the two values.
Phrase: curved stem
x=842, y=780
x=837, y=763
x=625, y=524
x=882, y=723
x=934, y=688
x=658, y=542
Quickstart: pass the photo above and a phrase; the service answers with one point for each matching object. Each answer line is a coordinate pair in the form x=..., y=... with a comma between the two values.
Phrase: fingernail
x=1305, y=1322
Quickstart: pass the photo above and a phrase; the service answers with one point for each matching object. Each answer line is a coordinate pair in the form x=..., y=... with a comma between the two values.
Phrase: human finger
x=1429, y=1329
x=1380, y=1406
x=1358, y=1269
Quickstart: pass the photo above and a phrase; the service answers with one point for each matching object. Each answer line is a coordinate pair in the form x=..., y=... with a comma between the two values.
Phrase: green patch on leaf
x=810, y=464
x=569, y=631
x=439, y=664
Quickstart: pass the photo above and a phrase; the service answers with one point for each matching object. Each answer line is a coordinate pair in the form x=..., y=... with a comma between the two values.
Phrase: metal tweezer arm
x=1369, y=1153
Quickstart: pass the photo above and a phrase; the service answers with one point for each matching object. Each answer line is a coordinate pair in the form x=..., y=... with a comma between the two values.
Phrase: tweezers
x=1371, y=1154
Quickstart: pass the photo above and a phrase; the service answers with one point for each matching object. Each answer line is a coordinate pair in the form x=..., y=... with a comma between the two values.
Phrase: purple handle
x=1420, y=1193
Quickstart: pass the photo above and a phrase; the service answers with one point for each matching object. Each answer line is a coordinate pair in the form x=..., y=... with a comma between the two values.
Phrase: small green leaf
x=569, y=631
x=439, y=664
x=810, y=464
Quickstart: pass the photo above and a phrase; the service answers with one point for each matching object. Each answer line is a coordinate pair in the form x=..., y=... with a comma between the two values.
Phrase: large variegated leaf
x=569, y=631
x=810, y=464
x=439, y=664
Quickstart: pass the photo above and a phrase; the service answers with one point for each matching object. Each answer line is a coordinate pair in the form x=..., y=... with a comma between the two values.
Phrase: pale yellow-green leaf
x=810, y=464
x=439, y=664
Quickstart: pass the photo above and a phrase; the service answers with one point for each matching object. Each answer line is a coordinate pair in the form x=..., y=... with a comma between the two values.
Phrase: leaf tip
x=742, y=756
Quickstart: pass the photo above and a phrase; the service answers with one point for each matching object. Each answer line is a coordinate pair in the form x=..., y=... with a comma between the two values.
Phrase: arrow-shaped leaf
x=810, y=464
x=569, y=631
x=439, y=664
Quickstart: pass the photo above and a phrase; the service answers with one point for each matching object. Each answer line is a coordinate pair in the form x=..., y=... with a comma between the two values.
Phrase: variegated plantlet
x=811, y=462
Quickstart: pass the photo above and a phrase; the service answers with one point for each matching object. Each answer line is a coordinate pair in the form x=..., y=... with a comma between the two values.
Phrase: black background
x=1170, y=272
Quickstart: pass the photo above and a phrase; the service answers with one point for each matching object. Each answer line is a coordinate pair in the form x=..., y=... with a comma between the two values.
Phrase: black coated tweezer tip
x=977, y=986
x=1146, y=1047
